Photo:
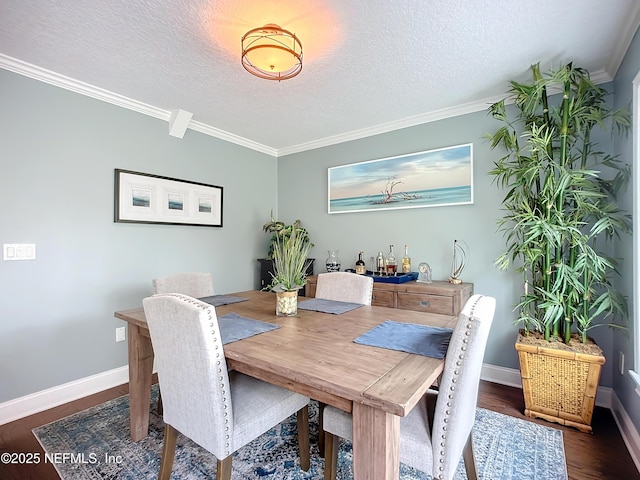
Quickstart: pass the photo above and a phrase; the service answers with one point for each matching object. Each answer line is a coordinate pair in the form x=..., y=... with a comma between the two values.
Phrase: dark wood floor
x=601, y=455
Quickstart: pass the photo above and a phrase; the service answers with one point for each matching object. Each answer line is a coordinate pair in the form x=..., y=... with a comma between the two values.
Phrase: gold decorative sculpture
x=460, y=256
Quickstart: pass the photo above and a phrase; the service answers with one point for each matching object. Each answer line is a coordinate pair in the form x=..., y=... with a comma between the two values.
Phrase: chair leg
x=469, y=460
x=320, y=428
x=330, y=456
x=223, y=471
x=431, y=400
x=159, y=405
x=303, y=437
x=168, y=452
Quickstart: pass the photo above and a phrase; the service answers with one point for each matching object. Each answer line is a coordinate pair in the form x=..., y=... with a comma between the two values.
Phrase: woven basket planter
x=559, y=385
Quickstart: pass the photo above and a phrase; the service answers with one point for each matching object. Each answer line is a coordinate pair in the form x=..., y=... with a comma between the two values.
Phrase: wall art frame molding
x=430, y=178
x=147, y=198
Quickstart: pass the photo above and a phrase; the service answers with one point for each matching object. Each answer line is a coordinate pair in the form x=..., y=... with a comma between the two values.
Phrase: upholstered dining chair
x=434, y=442
x=219, y=410
x=342, y=287
x=194, y=284
x=345, y=287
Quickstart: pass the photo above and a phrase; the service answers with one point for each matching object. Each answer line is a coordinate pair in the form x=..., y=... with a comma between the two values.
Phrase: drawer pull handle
x=424, y=303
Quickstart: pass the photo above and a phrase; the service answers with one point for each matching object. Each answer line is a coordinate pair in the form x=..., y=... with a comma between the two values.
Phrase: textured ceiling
x=369, y=65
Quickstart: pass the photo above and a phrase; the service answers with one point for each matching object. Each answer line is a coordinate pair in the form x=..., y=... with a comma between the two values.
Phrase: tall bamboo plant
x=560, y=200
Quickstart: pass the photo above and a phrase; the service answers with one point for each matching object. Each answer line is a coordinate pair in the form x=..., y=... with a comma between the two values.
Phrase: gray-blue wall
x=58, y=152
x=623, y=384
x=429, y=232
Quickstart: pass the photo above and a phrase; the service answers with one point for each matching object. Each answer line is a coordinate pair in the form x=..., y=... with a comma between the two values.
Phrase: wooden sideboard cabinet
x=437, y=297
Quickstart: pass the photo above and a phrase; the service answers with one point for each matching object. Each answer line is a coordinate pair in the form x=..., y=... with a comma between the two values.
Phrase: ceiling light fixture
x=272, y=53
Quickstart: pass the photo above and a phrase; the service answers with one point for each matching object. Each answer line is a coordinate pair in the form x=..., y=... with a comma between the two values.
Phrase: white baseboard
x=627, y=430
x=511, y=378
x=501, y=375
x=52, y=397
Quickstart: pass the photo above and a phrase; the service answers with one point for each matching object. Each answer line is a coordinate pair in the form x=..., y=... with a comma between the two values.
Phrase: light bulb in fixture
x=272, y=53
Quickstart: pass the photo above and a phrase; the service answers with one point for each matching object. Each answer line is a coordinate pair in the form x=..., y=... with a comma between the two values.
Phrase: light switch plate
x=19, y=251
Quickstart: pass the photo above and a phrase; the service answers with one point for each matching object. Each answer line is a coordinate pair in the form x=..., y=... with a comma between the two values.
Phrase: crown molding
x=62, y=81
x=52, y=78
x=627, y=31
x=68, y=83
x=599, y=76
x=230, y=137
x=392, y=126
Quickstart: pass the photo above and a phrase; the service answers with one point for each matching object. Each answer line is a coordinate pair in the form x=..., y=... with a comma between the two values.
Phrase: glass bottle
x=333, y=262
x=380, y=263
x=390, y=262
x=406, y=261
x=361, y=267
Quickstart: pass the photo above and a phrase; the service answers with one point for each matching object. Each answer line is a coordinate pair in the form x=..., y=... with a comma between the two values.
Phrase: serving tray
x=400, y=278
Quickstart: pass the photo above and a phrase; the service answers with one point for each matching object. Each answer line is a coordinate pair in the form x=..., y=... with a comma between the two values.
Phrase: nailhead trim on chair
x=454, y=380
x=207, y=307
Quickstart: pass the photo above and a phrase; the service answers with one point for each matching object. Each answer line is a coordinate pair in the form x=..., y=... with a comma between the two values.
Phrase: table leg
x=140, y=372
x=376, y=444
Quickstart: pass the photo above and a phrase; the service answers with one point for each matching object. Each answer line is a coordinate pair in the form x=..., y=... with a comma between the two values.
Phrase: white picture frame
x=431, y=178
x=147, y=198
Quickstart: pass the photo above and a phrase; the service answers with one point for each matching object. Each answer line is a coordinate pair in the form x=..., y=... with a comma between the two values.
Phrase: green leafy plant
x=281, y=230
x=289, y=249
x=560, y=201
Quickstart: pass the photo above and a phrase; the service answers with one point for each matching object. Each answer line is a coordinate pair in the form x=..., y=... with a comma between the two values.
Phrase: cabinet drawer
x=422, y=302
x=383, y=298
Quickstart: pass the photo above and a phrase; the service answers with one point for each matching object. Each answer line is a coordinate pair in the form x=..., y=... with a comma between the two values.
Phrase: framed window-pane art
x=431, y=178
x=146, y=198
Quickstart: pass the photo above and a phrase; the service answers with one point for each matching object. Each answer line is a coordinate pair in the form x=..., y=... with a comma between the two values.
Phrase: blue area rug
x=95, y=444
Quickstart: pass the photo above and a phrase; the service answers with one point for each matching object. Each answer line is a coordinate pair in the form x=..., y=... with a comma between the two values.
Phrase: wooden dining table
x=314, y=354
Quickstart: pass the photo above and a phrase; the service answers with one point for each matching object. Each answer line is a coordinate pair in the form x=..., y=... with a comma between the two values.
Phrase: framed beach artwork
x=432, y=178
x=147, y=198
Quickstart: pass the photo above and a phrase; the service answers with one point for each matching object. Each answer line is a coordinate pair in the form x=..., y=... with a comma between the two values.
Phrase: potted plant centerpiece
x=560, y=207
x=289, y=250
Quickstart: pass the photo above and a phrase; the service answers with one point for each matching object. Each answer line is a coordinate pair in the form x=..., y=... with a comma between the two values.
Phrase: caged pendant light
x=272, y=53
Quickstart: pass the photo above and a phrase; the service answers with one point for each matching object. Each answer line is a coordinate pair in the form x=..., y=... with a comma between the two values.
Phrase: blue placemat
x=219, y=300
x=327, y=306
x=234, y=327
x=408, y=337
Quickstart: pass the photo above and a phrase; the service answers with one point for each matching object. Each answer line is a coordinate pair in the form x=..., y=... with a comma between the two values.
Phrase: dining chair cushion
x=193, y=284
x=415, y=438
x=258, y=406
x=345, y=287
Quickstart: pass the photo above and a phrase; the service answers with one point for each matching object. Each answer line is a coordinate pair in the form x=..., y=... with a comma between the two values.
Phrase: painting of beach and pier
x=432, y=178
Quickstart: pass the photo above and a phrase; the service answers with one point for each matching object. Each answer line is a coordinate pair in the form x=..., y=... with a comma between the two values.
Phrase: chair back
x=193, y=284
x=192, y=370
x=345, y=287
x=458, y=394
